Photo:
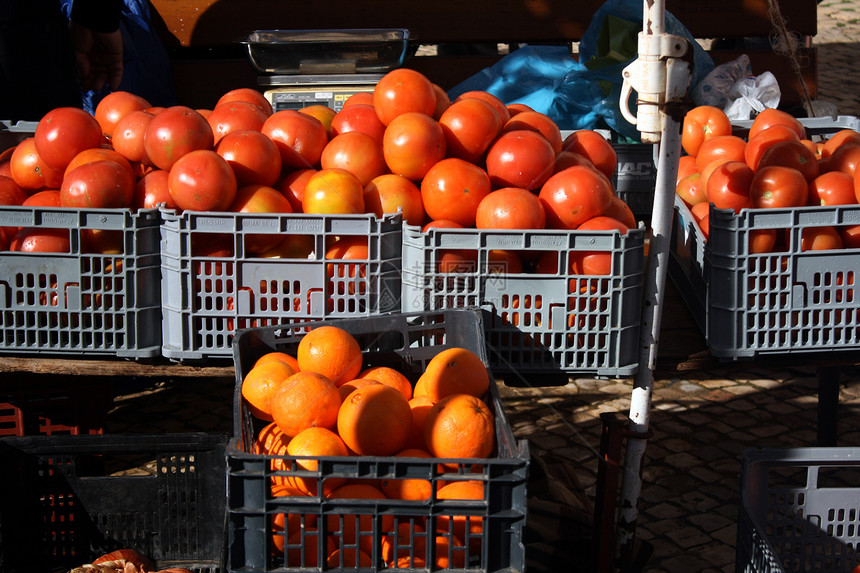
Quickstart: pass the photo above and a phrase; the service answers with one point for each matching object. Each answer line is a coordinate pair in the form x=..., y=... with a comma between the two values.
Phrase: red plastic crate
x=29, y=407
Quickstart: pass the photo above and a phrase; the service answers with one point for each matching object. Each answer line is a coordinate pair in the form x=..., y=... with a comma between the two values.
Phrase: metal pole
x=659, y=61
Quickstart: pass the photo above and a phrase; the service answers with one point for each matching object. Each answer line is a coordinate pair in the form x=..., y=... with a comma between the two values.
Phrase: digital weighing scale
x=296, y=92
x=325, y=67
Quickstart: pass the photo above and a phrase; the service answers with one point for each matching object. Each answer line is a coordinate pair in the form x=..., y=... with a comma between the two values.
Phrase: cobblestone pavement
x=700, y=421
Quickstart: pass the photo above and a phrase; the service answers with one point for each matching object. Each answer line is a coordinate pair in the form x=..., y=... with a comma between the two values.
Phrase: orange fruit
x=304, y=547
x=276, y=356
x=289, y=522
x=419, y=405
x=270, y=439
x=347, y=388
x=471, y=489
x=460, y=426
x=397, y=544
x=361, y=532
x=412, y=488
x=390, y=377
x=375, y=420
x=455, y=371
x=316, y=442
x=305, y=400
x=349, y=557
x=332, y=352
x=260, y=384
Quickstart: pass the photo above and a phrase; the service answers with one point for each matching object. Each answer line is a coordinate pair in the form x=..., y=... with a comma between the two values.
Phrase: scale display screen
x=298, y=91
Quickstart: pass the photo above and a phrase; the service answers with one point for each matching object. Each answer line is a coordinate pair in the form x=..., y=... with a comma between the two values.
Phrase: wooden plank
x=223, y=22
x=111, y=367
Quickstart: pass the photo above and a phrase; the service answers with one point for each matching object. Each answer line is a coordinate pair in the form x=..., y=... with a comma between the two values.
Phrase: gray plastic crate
x=815, y=126
x=799, y=511
x=407, y=342
x=781, y=302
x=205, y=300
x=13, y=133
x=83, y=303
x=537, y=322
x=79, y=497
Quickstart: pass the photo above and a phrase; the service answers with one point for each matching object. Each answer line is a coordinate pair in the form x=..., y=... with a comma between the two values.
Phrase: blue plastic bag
x=578, y=94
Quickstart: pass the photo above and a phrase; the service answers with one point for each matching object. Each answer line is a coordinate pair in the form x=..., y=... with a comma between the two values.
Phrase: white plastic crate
x=207, y=299
x=536, y=322
x=799, y=511
x=79, y=302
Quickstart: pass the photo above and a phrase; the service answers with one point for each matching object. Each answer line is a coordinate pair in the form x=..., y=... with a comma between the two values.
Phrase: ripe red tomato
x=128, y=136
x=442, y=101
x=97, y=154
x=595, y=148
x=837, y=139
x=778, y=186
x=845, y=158
x=573, y=196
x=234, y=116
x=470, y=126
x=762, y=240
x=116, y=105
x=358, y=117
x=363, y=98
x=729, y=186
x=503, y=262
x=39, y=240
x=515, y=108
x=510, y=208
x=686, y=166
x=412, y=144
x=764, y=140
x=453, y=189
x=356, y=152
x=247, y=95
x=403, y=90
x=832, y=188
x=254, y=157
x=333, y=191
x=30, y=171
x=260, y=199
x=64, y=132
x=536, y=121
x=850, y=236
x=820, y=239
x=11, y=193
x=791, y=154
x=202, y=180
x=173, y=133
x=691, y=190
x=702, y=123
x=773, y=116
x=498, y=104
x=300, y=138
x=323, y=113
x=100, y=184
x=565, y=159
x=596, y=262
x=520, y=158
x=44, y=198
x=390, y=192
x=152, y=191
x=292, y=186
x=620, y=210
x=720, y=148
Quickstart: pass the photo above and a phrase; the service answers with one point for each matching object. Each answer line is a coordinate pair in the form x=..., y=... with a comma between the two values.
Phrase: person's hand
x=98, y=57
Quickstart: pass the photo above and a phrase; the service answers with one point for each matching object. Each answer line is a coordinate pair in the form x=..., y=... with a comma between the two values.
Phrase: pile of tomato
x=777, y=165
x=473, y=162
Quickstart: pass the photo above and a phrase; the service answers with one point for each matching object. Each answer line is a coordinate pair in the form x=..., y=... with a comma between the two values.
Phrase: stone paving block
x=688, y=537
x=709, y=521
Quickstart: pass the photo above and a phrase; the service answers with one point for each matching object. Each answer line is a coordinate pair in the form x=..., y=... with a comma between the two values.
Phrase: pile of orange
x=323, y=402
x=778, y=165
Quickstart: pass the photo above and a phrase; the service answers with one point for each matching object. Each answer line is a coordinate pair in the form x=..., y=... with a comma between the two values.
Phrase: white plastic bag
x=750, y=96
x=714, y=89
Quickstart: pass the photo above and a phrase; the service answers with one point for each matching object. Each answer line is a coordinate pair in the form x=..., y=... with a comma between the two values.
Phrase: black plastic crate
x=406, y=341
x=70, y=499
x=799, y=511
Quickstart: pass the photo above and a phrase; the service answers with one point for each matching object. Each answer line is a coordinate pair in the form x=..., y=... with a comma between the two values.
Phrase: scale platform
x=298, y=91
